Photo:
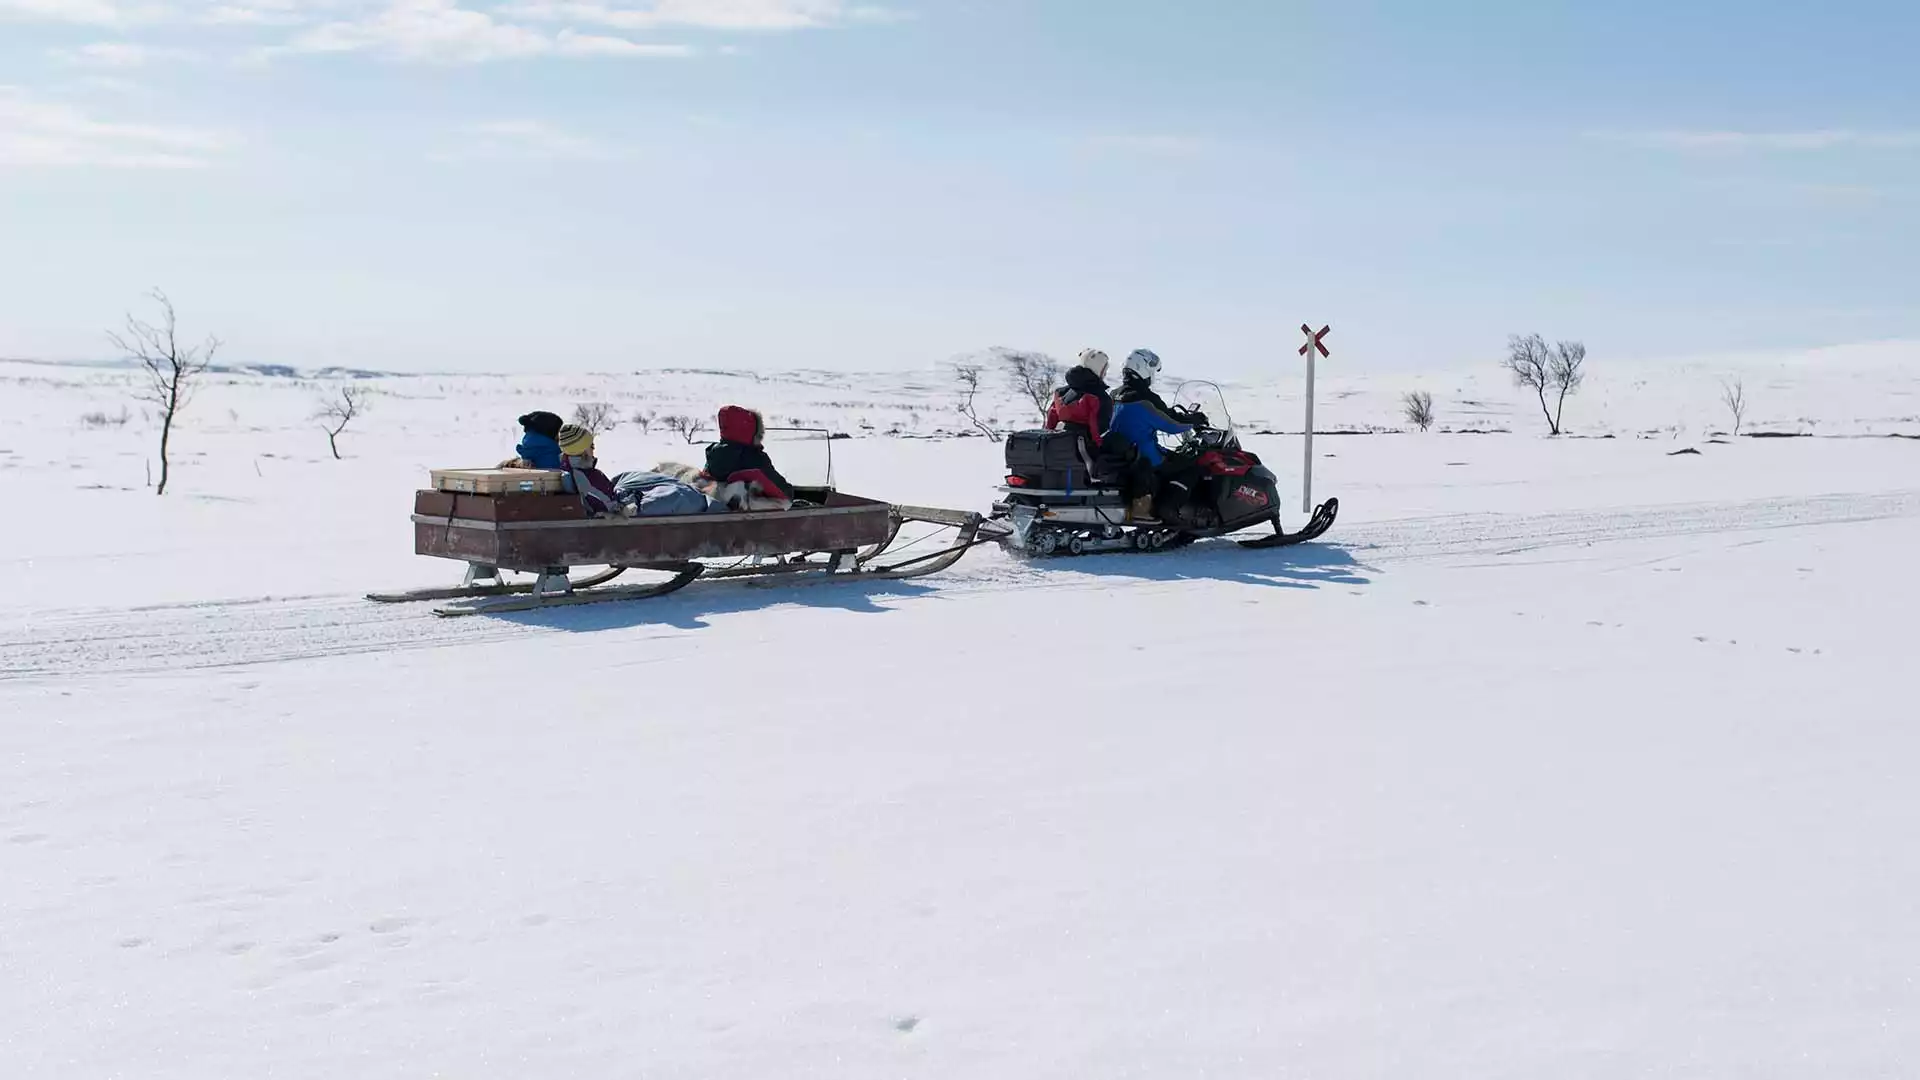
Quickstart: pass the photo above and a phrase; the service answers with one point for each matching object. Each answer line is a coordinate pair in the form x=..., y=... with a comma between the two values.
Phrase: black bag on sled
x=1053, y=460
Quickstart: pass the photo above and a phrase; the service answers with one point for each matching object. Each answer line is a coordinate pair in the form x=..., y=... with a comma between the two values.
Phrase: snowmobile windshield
x=804, y=455
x=1206, y=398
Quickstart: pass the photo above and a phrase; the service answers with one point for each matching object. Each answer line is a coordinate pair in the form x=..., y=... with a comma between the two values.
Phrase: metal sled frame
x=848, y=536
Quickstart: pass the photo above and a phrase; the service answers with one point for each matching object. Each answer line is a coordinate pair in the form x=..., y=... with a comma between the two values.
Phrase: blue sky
x=621, y=184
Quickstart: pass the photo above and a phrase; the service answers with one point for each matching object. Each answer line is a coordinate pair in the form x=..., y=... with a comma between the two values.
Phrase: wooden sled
x=549, y=536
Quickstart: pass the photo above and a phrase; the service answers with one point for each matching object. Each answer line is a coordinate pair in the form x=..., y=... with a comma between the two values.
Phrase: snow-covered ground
x=1556, y=758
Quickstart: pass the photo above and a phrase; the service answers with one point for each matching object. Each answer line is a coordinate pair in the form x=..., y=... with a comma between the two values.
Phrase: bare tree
x=1734, y=396
x=337, y=412
x=595, y=416
x=969, y=378
x=688, y=427
x=1417, y=406
x=1564, y=375
x=644, y=418
x=1556, y=371
x=1527, y=359
x=169, y=369
x=1034, y=376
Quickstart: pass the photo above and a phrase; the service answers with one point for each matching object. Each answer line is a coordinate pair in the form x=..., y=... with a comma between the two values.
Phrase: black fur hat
x=542, y=423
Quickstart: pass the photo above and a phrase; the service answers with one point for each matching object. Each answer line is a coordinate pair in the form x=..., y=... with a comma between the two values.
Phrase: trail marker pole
x=1315, y=344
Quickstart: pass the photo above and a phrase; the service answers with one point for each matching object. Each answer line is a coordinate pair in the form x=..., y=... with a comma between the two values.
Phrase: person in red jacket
x=738, y=456
x=1084, y=405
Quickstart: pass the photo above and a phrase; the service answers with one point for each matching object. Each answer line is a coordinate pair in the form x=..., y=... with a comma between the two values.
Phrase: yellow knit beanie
x=575, y=440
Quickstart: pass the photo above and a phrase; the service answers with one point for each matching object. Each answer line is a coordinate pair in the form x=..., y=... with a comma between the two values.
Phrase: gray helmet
x=1143, y=364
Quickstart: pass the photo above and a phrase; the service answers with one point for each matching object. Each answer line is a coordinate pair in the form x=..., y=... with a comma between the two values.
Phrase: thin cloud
x=116, y=54
x=441, y=31
x=122, y=14
x=101, y=84
x=730, y=15
x=36, y=133
x=526, y=140
x=258, y=13
x=1764, y=141
x=1149, y=145
x=82, y=12
x=569, y=43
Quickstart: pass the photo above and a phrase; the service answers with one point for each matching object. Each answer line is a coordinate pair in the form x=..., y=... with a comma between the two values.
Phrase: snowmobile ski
x=1320, y=522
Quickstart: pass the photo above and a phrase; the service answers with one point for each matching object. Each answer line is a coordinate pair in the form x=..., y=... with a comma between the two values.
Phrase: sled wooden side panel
x=447, y=504
x=447, y=530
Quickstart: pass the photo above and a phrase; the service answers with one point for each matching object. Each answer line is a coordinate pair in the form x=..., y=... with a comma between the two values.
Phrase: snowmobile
x=1057, y=498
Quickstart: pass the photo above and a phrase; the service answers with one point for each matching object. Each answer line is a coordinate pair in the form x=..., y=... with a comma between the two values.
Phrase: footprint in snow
x=313, y=945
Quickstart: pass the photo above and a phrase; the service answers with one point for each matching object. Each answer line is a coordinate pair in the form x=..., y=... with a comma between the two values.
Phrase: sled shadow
x=1308, y=566
x=692, y=608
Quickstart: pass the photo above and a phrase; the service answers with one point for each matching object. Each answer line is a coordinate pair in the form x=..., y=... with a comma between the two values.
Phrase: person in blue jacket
x=1139, y=415
x=540, y=447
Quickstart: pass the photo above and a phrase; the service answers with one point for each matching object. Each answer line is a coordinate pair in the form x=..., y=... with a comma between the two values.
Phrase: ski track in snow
x=241, y=632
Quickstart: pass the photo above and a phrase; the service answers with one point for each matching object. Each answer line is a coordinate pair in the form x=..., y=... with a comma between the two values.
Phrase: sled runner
x=1056, y=501
x=550, y=536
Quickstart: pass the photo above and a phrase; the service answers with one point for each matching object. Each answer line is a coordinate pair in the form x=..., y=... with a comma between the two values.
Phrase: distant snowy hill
x=1871, y=389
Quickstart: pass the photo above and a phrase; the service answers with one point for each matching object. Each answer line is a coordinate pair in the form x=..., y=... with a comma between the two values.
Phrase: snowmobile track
x=242, y=632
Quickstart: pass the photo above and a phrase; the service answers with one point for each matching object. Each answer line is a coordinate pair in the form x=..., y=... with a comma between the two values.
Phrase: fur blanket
x=734, y=496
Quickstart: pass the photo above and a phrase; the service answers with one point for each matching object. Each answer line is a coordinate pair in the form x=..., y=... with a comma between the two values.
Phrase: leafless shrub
x=339, y=411
x=595, y=416
x=968, y=376
x=1033, y=375
x=1417, y=407
x=1546, y=371
x=1565, y=375
x=687, y=427
x=1733, y=395
x=170, y=369
x=100, y=419
x=644, y=419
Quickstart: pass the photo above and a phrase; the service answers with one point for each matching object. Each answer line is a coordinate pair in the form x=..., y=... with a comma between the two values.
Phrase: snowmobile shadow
x=1307, y=566
x=693, y=607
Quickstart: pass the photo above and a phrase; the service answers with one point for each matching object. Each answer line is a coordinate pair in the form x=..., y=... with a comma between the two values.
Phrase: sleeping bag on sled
x=654, y=494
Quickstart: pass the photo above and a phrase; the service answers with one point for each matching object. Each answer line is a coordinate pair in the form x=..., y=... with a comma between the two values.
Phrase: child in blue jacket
x=540, y=445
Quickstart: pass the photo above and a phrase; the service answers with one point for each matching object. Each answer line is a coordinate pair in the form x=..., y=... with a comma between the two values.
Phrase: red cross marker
x=1314, y=340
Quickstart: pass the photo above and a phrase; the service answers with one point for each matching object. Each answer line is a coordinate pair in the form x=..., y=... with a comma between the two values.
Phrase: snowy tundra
x=1563, y=758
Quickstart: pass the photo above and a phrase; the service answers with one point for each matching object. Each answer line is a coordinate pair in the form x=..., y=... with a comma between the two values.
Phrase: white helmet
x=1093, y=360
x=1143, y=364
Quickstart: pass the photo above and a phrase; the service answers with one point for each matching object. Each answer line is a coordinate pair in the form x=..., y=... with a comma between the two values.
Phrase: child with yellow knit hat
x=583, y=472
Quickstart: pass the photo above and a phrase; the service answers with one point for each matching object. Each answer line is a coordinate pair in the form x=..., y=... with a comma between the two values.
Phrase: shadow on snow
x=1309, y=566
